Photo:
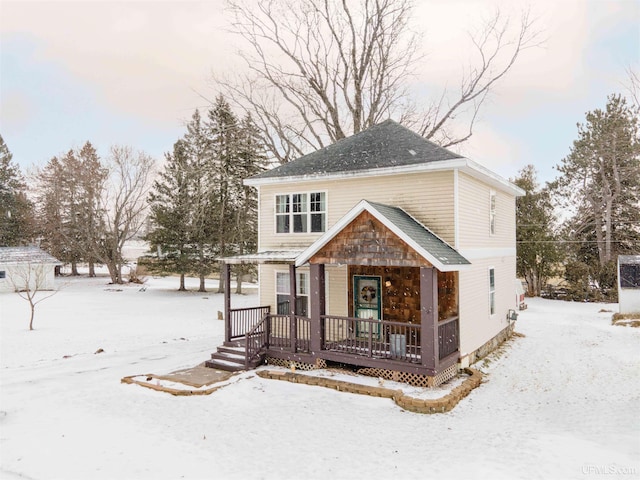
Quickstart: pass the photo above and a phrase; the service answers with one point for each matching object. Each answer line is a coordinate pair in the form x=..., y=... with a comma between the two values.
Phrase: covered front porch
x=402, y=312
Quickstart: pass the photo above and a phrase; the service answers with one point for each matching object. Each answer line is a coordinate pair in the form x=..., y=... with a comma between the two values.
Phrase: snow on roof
x=17, y=255
x=272, y=256
x=385, y=145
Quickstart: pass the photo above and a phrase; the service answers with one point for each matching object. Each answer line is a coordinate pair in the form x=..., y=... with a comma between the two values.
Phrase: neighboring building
x=22, y=265
x=629, y=283
x=395, y=254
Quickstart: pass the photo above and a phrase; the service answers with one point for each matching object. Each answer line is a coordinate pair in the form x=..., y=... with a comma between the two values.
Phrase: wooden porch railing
x=243, y=320
x=448, y=337
x=284, y=337
x=372, y=338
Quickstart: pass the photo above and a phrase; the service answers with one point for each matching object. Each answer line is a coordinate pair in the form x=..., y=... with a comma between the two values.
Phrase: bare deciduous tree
x=634, y=87
x=28, y=280
x=124, y=204
x=320, y=70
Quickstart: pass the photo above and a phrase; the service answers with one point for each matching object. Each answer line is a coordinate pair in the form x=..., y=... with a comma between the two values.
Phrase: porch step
x=230, y=357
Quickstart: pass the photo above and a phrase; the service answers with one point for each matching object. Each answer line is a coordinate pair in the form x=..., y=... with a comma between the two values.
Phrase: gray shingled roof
x=420, y=234
x=18, y=255
x=385, y=145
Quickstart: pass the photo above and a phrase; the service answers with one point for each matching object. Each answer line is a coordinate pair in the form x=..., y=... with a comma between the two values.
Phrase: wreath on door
x=368, y=294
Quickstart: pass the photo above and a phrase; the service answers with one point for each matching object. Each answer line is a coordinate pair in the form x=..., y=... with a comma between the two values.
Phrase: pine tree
x=251, y=161
x=537, y=248
x=601, y=176
x=171, y=214
x=16, y=211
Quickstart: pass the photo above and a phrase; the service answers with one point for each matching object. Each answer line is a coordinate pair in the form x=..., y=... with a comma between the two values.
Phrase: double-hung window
x=301, y=212
x=283, y=298
x=492, y=291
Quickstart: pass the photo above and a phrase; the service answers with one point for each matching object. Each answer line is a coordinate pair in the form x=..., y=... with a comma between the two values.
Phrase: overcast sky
x=133, y=72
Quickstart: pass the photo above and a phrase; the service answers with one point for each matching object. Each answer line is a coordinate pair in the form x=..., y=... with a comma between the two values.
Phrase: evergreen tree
x=537, y=248
x=251, y=161
x=50, y=212
x=601, y=176
x=16, y=211
x=202, y=185
x=171, y=215
x=91, y=178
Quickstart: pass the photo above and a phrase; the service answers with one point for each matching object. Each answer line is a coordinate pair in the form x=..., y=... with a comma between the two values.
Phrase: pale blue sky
x=128, y=73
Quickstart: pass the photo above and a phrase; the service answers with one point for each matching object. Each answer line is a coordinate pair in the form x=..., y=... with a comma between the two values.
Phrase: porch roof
x=270, y=256
x=425, y=243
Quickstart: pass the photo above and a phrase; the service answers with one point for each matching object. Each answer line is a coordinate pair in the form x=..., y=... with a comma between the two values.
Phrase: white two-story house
x=383, y=251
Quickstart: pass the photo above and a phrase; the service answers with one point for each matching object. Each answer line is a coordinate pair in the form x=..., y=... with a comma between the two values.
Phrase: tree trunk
x=33, y=313
x=74, y=269
x=202, y=285
x=239, y=281
x=92, y=268
x=182, y=287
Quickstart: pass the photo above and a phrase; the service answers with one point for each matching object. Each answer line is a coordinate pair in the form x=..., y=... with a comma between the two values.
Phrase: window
x=492, y=212
x=492, y=291
x=283, y=288
x=3, y=274
x=301, y=212
x=629, y=275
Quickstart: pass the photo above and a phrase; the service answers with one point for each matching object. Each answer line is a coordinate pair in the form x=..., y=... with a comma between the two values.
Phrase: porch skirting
x=415, y=379
x=488, y=347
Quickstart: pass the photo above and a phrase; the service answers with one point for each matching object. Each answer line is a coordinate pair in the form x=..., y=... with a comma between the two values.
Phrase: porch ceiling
x=365, y=245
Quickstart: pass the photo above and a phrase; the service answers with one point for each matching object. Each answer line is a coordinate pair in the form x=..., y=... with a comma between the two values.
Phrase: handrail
x=242, y=320
x=251, y=348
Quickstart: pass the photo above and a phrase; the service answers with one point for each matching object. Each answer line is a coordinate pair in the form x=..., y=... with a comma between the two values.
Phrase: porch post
x=317, y=306
x=429, y=317
x=293, y=330
x=226, y=278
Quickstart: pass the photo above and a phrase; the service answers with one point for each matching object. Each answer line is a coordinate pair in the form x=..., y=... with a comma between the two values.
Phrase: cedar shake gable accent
x=366, y=241
x=387, y=144
x=360, y=237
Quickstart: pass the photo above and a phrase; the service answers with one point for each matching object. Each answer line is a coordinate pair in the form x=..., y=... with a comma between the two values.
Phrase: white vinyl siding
x=475, y=217
x=492, y=212
x=428, y=196
x=476, y=328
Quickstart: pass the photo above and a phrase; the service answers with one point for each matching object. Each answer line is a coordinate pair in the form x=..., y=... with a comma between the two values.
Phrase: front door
x=367, y=303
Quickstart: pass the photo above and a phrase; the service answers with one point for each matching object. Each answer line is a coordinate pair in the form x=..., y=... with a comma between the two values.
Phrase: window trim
x=492, y=291
x=308, y=213
x=299, y=294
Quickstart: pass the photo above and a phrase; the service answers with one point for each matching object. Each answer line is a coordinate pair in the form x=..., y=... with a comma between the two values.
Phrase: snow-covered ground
x=560, y=402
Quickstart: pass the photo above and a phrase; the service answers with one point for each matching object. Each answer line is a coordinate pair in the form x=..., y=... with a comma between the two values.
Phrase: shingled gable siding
x=426, y=196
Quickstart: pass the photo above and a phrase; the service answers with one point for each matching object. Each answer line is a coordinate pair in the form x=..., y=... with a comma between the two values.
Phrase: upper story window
x=492, y=212
x=301, y=212
x=2, y=274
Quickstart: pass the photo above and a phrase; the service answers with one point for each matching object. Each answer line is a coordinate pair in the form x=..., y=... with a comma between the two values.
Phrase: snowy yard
x=560, y=402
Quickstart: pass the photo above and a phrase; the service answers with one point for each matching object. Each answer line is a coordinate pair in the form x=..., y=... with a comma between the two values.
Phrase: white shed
x=629, y=283
x=22, y=266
